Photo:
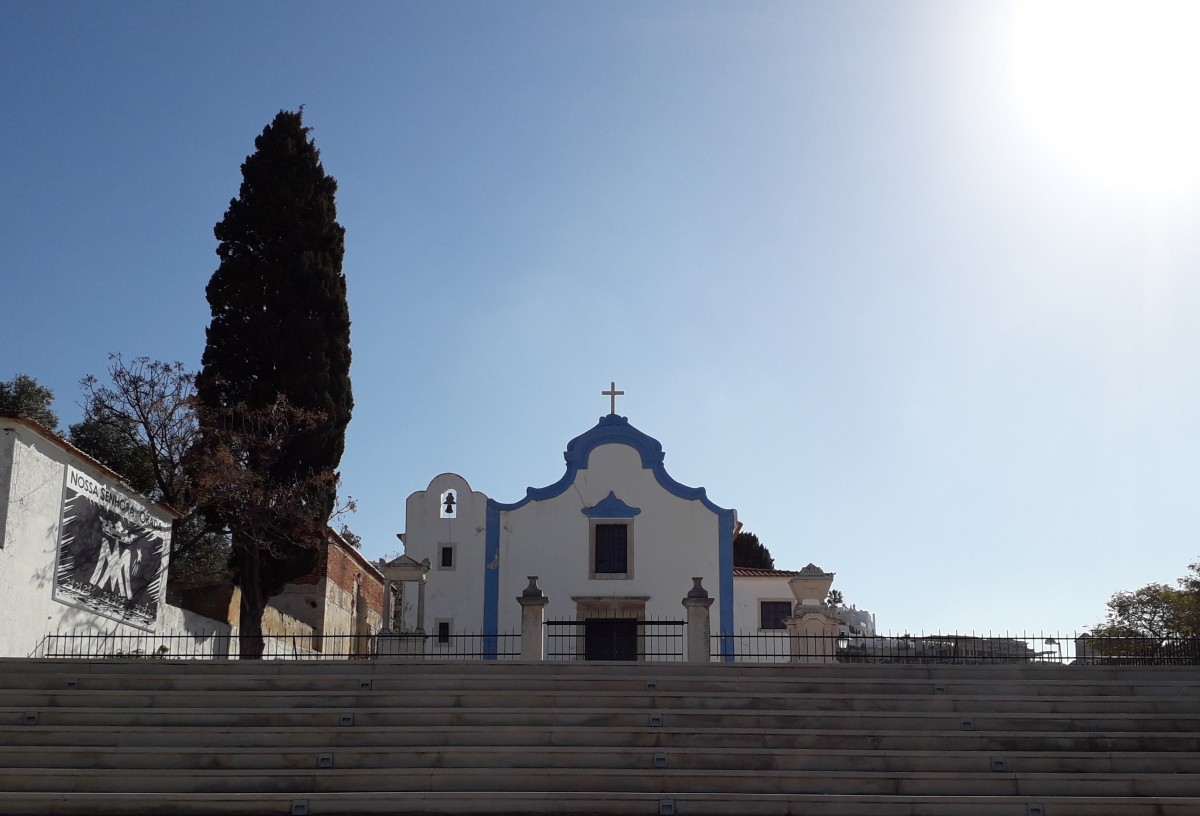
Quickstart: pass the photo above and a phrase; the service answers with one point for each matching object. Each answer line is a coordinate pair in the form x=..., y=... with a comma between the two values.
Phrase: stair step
x=321, y=715
x=298, y=756
x=583, y=803
x=140, y=737
x=663, y=782
x=581, y=698
x=523, y=736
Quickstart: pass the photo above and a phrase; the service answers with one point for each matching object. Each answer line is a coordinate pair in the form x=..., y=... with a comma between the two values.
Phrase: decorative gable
x=610, y=507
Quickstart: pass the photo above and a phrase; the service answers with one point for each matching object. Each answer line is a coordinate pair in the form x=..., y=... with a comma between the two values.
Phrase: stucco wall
x=455, y=593
x=748, y=591
x=672, y=540
x=33, y=470
x=303, y=600
x=8, y=439
x=750, y=643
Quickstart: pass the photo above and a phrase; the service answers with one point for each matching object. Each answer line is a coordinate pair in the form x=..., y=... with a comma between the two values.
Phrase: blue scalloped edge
x=611, y=429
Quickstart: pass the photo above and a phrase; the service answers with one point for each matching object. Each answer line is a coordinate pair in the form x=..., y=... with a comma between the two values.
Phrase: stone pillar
x=394, y=639
x=813, y=636
x=421, y=605
x=699, y=630
x=388, y=600
x=533, y=621
x=812, y=630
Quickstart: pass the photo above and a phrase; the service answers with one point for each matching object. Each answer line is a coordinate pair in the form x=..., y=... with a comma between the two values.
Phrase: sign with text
x=112, y=552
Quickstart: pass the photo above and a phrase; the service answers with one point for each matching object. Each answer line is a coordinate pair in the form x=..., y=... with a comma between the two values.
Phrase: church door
x=610, y=639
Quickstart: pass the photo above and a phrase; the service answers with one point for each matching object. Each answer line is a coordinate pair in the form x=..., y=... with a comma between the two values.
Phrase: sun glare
x=1113, y=88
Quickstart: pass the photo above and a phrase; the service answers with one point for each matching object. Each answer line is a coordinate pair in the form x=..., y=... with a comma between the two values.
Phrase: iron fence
x=1138, y=651
x=224, y=646
x=143, y=645
x=444, y=645
x=780, y=647
x=658, y=640
x=639, y=639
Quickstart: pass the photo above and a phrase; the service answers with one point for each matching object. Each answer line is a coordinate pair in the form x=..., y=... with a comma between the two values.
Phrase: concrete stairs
x=362, y=737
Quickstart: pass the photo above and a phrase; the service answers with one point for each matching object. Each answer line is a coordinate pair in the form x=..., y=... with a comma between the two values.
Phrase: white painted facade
x=752, y=588
x=35, y=502
x=759, y=591
x=615, y=477
x=453, y=592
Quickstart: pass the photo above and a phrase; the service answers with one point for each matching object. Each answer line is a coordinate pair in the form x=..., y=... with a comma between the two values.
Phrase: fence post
x=812, y=630
x=533, y=620
x=1083, y=649
x=697, y=603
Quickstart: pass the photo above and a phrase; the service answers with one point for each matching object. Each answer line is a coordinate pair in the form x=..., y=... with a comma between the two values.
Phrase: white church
x=615, y=541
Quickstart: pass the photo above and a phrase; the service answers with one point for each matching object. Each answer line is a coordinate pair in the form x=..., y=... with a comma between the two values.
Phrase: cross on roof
x=612, y=393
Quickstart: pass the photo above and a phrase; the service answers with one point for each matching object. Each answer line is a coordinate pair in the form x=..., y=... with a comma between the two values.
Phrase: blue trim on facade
x=725, y=534
x=615, y=429
x=609, y=430
x=491, y=579
x=610, y=507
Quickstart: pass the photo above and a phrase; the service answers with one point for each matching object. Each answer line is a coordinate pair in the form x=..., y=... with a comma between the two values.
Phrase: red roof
x=755, y=572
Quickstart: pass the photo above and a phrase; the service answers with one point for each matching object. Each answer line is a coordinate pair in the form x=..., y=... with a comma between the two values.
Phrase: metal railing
x=777, y=646
x=640, y=639
x=1137, y=651
x=658, y=640
x=470, y=646
x=224, y=646
x=137, y=645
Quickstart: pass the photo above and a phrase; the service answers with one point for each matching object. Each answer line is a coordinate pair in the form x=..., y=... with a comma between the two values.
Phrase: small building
x=616, y=540
x=79, y=548
x=614, y=545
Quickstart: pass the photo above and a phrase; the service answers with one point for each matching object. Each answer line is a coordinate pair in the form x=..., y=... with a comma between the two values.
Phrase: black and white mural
x=112, y=552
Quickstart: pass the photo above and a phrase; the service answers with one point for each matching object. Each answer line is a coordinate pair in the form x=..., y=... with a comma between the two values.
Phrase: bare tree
x=143, y=425
x=278, y=520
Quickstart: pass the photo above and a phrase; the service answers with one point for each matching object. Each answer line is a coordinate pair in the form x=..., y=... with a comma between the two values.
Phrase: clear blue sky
x=913, y=286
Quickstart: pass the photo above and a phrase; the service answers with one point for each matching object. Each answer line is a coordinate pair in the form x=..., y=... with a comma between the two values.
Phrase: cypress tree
x=279, y=336
x=748, y=551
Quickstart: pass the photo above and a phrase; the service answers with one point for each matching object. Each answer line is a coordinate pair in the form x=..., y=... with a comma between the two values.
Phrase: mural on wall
x=111, y=553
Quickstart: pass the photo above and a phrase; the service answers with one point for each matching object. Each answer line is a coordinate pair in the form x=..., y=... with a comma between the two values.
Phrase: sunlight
x=1112, y=89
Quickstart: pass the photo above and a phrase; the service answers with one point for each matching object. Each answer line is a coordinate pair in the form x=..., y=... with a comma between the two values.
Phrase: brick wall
x=341, y=568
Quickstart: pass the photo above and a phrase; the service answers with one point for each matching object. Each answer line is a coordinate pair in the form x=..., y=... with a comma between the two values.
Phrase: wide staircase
x=362, y=737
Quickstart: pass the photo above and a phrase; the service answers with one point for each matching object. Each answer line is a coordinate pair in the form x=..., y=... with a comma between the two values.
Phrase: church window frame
x=443, y=633
x=598, y=558
x=447, y=548
x=773, y=614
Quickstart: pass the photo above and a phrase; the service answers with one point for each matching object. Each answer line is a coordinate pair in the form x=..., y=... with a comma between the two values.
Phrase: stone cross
x=612, y=393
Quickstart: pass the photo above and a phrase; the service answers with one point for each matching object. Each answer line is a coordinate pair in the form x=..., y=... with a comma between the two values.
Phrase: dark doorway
x=610, y=639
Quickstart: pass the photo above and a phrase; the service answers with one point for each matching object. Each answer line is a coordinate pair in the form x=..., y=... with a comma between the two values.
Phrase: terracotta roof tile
x=755, y=572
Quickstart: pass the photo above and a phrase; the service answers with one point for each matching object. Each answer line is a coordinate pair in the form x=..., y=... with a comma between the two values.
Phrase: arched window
x=449, y=500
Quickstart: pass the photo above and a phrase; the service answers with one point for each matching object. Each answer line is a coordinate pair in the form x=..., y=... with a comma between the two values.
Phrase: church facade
x=616, y=539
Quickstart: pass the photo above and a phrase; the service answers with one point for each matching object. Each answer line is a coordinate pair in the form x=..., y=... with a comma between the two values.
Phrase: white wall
x=750, y=642
x=32, y=476
x=749, y=590
x=673, y=539
x=455, y=593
